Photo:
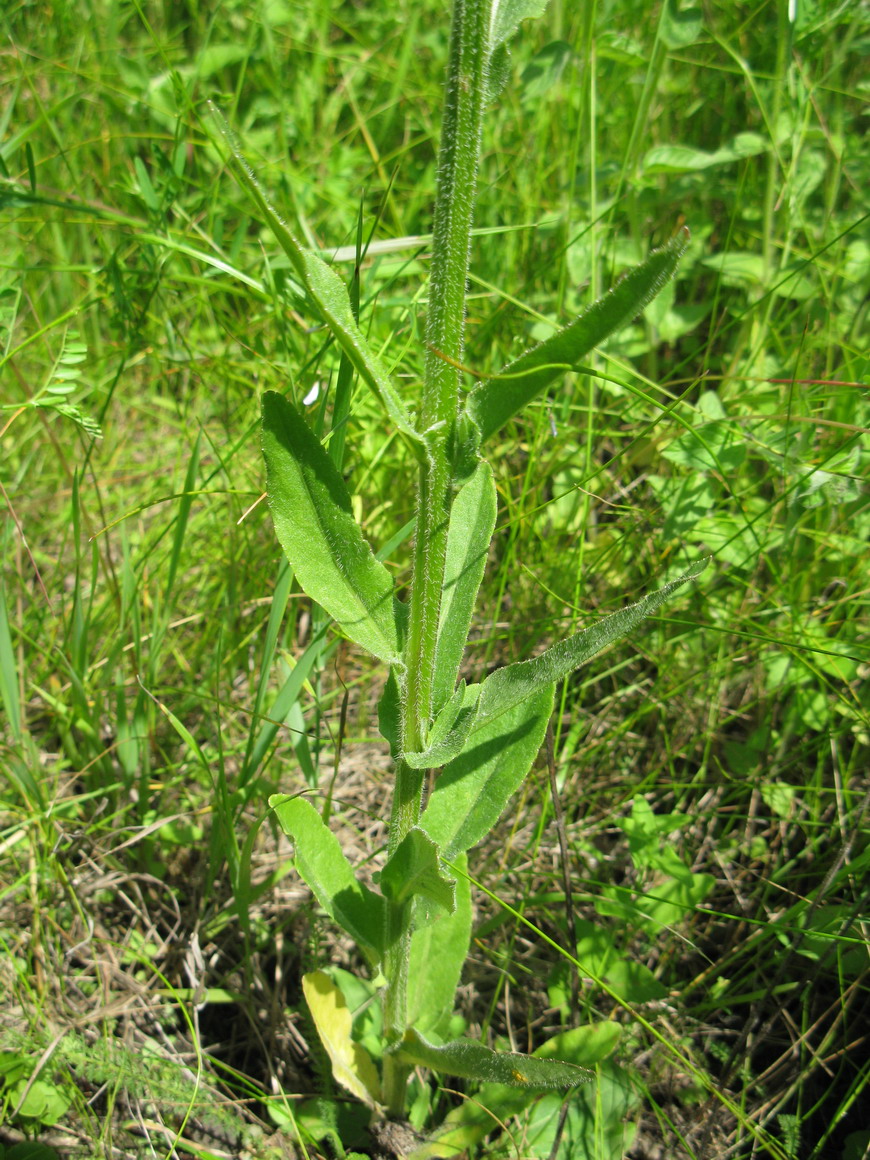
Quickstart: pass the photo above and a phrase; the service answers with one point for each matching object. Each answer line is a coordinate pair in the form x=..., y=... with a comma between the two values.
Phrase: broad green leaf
x=450, y=730
x=325, y=289
x=737, y=267
x=414, y=869
x=352, y=1065
x=493, y=402
x=473, y=790
x=472, y=520
x=313, y=520
x=438, y=954
x=597, y=1123
x=512, y=686
x=30, y=1150
x=40, y=1101
x=322, y=864
x=470, y=1059
x=600, y=960
x=673, y=900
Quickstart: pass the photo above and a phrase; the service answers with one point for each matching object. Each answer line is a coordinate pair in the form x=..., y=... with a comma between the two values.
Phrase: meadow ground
x=161, y=674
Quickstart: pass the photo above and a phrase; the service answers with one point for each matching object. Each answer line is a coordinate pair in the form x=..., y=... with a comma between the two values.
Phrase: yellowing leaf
x=352, y=1065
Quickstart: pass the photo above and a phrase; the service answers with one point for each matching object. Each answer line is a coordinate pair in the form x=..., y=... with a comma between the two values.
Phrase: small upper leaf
x=313, y=519
x=414, y=869
x=450, y=730
x=505, y=19
x=496, y=400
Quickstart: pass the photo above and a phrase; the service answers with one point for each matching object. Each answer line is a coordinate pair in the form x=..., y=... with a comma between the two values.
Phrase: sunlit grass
x=127, y=579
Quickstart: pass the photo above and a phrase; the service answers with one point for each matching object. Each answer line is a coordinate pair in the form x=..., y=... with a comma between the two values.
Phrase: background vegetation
x=160, y=675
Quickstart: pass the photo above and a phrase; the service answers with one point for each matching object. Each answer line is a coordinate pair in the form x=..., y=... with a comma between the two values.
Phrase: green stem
x=454, y=207
x=465, y=99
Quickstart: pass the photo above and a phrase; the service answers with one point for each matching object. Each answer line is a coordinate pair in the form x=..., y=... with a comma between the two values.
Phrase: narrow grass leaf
x=495, y=401
x=470, y=1059
x=473, y=790
x=352, y=1065
x=472, y=521
x=438, y=953
x=322, y=864
x=326, y=290
x=511, y=686
x=277, y=609
x=9, y=672
x=414, y=869
x=282, y=706
x=313, y=519
x=182, y=519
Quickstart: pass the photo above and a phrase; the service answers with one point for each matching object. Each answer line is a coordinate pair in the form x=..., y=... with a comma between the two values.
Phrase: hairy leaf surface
x=510, y=687
x=473, y=1060
x=414, y=869
x=438, y=953
x=352, y=1065
x=322, y=864
x=313, y=519
x=496, y=400
x=473, y=790
x=472, y=521
x=450, y=730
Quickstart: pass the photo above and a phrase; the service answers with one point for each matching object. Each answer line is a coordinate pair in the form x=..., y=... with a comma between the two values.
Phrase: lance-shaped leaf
x=438, y=953
x=450, y=730
x=496, y=400
x=352, y=1065
x=326, y=290
x=472, y=1060
x=313, y=519
x=472, y=520
x=414, y=869
x=322, y=864
x=510, y=687
x=473, y=790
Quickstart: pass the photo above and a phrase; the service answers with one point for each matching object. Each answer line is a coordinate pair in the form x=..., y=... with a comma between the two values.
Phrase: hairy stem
x=457, y=176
